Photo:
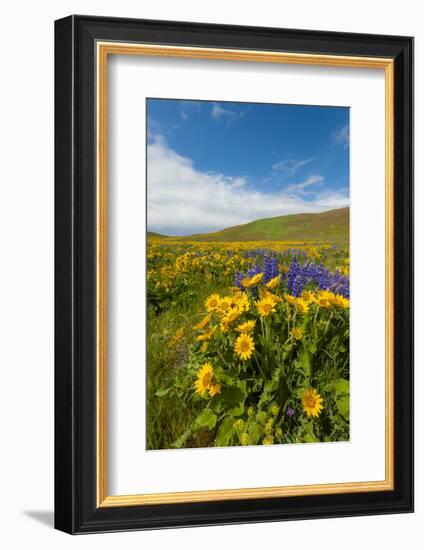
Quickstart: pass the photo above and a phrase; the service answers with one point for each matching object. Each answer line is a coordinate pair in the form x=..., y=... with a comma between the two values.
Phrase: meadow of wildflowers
x=248, y=343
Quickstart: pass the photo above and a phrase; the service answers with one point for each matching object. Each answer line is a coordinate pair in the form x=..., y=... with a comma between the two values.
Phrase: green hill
x=332, y=225
x=151, y=235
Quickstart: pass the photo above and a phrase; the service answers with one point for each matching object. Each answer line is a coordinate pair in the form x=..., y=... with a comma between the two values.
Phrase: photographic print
x=247, y=274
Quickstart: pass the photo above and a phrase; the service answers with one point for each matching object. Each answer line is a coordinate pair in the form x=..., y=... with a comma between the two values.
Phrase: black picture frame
x=76, y=510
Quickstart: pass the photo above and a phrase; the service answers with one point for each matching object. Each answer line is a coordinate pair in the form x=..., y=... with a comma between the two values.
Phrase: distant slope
x=332, y=225
x=151, y=235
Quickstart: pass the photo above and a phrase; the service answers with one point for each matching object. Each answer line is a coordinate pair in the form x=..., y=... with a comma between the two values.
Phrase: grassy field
x=183, y=273
x=330, y=226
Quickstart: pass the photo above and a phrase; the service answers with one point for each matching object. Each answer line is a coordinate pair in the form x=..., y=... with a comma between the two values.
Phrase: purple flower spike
x=290, y=411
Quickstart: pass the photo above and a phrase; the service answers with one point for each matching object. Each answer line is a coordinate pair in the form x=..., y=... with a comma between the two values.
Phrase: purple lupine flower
x=270, y=268
x=290, y=411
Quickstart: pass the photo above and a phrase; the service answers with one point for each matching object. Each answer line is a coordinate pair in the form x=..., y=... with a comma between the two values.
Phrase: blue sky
x=212, y=165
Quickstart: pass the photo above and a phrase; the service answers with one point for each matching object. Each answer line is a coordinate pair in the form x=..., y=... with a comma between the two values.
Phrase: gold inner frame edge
x=103, y=49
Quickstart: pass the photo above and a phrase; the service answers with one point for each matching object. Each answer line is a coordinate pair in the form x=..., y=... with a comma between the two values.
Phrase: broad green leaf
x=238, y=410
x=343, y=406
x=206, y=419
x=182, y=439
x=255, y=432
x=225, y=433
x=341, y=386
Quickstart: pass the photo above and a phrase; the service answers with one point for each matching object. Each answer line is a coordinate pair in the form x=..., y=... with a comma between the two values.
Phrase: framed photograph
x=234, y=274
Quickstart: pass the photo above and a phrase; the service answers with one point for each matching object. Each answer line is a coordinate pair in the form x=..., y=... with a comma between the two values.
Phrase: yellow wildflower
x=312, y=402
x=297, y=333
x=265, y=306
x=214, y=389
x=212, y=302
x=301, y=306
x=207, y=335
x=273, y=283
x=246, y=327
x=204, y=378
x=177, y=336
x=247, y=282
x=201, y=325
x=244, y=346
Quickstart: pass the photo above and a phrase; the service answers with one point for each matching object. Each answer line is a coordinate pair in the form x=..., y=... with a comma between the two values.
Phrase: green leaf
x=341, y=386
x=238, y=410
x=303, y=362
x=255, y=432
x=225, y=433
x=182, y=439
x=231, y=397
x=343, y=406
x=163, y=391
x=206, y=419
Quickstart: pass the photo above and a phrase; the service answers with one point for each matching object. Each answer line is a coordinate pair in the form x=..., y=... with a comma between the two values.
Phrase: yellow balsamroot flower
x=246, y=327
x=204, y=347
x=324, y=298
x=242, y=301
x=312, y=402
x=212, y=302
x=201, y=325
x=204, y=379
x=290, y=299
x=224, y=325
x=265, y=306
x=244, y=346
x=264, y=293
x=177, y=336
x=340, y=301
x=247, y=282
x=244, y=439
x=301, y=306
x=308, y=296
x=268, y=440
x=207, y=335
x=224, y=304
x=297, y=333
x=273, y=283
x=214, y=389
x=232, y=314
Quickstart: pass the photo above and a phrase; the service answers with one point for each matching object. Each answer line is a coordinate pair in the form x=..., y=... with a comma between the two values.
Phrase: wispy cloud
x=189, y=108
x=183, y=200
x=300, y=187
x=290, y=166
x=341, y=136
x=226, y=115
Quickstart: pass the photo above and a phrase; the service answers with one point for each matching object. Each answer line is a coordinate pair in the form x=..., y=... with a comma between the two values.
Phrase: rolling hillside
x=332, y=225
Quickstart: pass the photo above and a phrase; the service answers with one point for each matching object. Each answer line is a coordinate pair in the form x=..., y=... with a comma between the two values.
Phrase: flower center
x=207, y=380
x=244, y=346
x=267, y=307
x=310, y=401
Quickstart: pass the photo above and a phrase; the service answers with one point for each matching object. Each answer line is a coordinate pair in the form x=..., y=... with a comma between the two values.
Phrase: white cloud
x=341, y=136
x=183, y=200
x=189, y=108
x=300, y=187
x=226, y=115
x=290, y=166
